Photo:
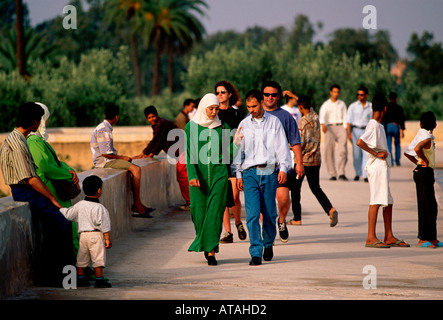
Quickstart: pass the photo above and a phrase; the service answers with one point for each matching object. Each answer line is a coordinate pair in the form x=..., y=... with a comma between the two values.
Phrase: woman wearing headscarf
x=49, y=167
x=209, y=148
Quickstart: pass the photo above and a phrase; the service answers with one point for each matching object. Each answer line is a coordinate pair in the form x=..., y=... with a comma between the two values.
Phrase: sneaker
x=185, y=207
x=102, y=283
x=241, y=231
x=283, y=231
x=228, y=238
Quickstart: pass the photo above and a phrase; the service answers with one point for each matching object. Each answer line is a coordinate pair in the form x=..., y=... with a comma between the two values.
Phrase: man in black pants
x=310, y=144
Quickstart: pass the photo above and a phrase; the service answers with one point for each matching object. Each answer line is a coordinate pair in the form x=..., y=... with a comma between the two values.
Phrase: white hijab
x=41, y=131
x=201, y=117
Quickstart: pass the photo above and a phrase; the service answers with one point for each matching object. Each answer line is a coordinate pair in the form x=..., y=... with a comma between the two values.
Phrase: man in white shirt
x=358, y=115
x=332, y=118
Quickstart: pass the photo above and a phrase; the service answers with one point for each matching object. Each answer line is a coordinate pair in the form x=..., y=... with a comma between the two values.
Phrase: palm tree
x=35, y=49
x=170, y=22
x=20, y=48
x=128, y=13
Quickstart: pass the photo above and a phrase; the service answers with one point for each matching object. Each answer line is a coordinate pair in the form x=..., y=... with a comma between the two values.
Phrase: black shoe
x=356, y=178
x=342, y=177
x=241, y=231
x=83, y=281
x=102, y=283
x=283, y=231
x=332, y=178
x=255, y=261
x=212, y=261
x=268, y=254
x=366, y=180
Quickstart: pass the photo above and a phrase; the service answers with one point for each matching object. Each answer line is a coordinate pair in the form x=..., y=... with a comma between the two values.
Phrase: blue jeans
x=359, y=156
x=260, y=191
x=53, y=244
x=393, y=132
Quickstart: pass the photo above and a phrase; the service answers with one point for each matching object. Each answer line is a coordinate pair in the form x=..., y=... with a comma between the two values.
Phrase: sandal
x=399, y=244
x=144, y=214
x=377, y=244
x=293, y=222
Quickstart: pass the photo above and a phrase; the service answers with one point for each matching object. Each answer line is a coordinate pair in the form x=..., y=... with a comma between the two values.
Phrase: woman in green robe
x=49, y=167
x=209, y=147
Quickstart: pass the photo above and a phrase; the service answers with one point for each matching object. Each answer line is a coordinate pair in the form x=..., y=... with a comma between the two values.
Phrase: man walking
x=260, y=165
x=271, y=94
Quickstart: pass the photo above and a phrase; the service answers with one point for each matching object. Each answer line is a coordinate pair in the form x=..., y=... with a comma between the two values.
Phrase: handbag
x=65, y=189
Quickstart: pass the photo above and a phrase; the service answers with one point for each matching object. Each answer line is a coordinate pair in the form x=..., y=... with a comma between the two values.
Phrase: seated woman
x=49, y=167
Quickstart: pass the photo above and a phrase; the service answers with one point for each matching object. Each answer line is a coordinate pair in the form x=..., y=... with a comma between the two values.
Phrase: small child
x=421, y=152
x=373, y=141
x=94, y=226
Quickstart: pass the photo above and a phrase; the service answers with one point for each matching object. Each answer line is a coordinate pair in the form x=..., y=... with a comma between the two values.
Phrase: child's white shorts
x=91, y=248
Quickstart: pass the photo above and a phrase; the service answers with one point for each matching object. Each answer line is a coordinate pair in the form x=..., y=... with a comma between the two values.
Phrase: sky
x=400, y=17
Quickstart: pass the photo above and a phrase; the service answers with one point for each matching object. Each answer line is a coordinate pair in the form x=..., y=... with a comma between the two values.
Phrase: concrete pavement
x=318, y=262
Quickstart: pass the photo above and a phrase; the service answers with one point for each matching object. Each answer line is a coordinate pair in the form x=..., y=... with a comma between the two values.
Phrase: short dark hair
x=188, y=102
x=149, y=110
x=254, y=93
x=336, y=86
x=364, y=89
x=287, y=97
x=91, y=184
x=28, y=113
x=304, y=101
x=392, y=96
x=111, y=111
x=379, y=102
x=272, y=84
x=428, y=120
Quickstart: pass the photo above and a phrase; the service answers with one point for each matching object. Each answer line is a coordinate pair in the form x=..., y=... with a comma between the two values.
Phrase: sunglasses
x=274, y=95
x=220, y=92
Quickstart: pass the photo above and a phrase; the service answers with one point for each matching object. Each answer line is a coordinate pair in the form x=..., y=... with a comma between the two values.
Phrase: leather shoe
x=268, y=254
x=255, y=261
x=212, y=261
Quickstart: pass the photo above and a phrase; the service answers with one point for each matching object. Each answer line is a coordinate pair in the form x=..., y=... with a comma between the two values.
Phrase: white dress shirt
x=333, y=113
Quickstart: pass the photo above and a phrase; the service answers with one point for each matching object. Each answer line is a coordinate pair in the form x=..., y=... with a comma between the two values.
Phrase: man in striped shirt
x=19, y=173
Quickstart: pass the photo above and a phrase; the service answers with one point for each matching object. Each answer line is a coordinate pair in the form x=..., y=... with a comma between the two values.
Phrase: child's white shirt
x=90, y=216
x=375, y=138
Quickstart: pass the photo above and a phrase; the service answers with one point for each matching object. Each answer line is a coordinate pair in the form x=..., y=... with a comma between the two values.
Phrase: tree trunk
x=156, y=75
x=171, y=66
x=138, y=81
x=20, y=48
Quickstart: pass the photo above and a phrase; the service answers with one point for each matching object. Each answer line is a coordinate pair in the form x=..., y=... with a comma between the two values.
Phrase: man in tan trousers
x=332, y=118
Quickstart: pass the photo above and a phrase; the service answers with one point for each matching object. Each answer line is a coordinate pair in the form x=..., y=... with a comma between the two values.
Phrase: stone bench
x=159, y=189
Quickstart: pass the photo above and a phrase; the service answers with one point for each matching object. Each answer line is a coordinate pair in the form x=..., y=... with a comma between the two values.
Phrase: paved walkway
x=318, y=262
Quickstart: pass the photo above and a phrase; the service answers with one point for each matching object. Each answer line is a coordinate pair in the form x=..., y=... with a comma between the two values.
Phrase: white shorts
x=91, y=248
x=378, y=177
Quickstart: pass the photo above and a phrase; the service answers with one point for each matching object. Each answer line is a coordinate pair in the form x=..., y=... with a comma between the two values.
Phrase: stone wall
x=159, y=189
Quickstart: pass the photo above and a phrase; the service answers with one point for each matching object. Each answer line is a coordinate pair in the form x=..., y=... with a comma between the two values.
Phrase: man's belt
x=335, y=124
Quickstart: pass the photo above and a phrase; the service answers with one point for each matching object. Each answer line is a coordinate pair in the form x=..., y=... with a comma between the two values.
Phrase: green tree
x=371, y=47
x=426, y=58
x=170, y=19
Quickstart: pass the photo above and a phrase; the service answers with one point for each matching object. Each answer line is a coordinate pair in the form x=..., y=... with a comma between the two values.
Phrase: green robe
x=48, y=169
x=206, y=162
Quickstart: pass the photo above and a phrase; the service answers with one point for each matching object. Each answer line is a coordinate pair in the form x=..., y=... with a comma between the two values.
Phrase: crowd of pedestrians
x=221, y=149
